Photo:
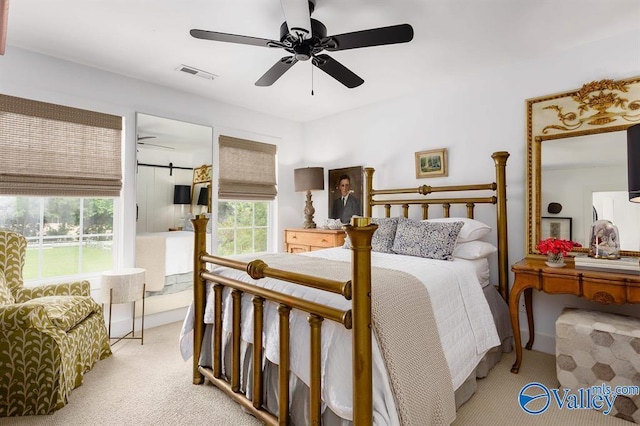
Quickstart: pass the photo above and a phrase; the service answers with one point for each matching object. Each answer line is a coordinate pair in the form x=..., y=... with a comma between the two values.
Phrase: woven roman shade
x=54, y=150
x=247, y=170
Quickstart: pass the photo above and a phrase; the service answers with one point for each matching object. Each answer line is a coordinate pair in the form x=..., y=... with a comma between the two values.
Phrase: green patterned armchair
x=49, y=336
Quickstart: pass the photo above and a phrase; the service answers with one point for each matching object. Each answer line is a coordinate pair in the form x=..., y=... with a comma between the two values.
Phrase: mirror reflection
x=587, y=177
x=168, y=153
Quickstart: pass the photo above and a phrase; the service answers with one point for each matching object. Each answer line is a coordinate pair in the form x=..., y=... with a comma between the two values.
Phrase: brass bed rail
x=358, y=318
x=258, y=269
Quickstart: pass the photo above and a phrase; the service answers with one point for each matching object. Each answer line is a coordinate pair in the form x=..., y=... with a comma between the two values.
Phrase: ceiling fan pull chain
x=312, y=78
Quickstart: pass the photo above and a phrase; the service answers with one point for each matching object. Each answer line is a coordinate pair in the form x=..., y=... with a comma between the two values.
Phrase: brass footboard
x=358, y=319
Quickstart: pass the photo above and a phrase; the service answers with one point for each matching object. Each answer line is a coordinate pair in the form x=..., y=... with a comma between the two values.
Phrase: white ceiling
x=149, y=39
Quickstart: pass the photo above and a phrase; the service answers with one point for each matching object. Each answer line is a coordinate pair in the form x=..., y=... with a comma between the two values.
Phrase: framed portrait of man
x=345, y=193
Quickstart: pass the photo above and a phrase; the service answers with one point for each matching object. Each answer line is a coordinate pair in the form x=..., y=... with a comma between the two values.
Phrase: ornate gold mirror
x=577, y=161
x=201, y=189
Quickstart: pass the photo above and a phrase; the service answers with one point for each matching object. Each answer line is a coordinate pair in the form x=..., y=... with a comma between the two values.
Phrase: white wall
x=34, y=76
x=471, y=117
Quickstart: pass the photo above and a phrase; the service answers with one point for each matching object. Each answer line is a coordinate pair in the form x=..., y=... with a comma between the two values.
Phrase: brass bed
x=357, y=289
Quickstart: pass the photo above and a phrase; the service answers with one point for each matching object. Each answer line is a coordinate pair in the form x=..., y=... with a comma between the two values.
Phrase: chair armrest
x=77, y=288
x=24, y=316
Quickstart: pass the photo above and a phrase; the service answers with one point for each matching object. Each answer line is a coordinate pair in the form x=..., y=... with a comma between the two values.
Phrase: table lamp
x=203, y=199
x=308, y=179
x=182, y=196
x=633, y=162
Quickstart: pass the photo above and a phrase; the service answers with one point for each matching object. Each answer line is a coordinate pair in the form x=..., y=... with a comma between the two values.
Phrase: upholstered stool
x=593, y=348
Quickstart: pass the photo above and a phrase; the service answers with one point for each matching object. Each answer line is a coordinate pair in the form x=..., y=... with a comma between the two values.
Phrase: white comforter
x=463, y=317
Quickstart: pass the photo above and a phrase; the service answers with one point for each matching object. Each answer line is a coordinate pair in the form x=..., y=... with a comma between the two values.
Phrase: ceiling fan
x=147, y=144
x=305, y=38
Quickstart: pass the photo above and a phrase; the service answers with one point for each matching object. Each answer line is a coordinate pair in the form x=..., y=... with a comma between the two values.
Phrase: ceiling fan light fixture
x=302, y=52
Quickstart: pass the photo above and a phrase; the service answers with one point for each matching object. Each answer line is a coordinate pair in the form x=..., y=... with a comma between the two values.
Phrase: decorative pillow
x=474, y=250
x=471, y=231
x=6, y=298
x=426, y=239
x=65, y=312
x=382, y=240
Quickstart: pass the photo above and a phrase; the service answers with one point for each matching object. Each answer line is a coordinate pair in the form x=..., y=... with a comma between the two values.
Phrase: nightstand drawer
x=297, y=240
x=312, y=239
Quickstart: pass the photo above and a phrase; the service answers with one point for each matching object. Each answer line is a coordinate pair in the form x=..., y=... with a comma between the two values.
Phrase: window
x=65, y=236
x=242, y=227
x=247, y=188
x=58, y=164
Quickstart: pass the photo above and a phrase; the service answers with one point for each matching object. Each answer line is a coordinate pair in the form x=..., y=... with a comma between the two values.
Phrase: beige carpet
x=151, y=385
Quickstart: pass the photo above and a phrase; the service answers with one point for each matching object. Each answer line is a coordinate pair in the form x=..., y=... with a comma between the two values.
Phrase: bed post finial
x=360, y=233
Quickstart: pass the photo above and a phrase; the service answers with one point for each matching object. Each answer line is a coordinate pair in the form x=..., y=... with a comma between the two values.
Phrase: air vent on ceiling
x=196, y=71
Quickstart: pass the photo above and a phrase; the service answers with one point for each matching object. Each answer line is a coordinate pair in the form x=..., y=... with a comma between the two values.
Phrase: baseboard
x=121, y=326
x=541, y=343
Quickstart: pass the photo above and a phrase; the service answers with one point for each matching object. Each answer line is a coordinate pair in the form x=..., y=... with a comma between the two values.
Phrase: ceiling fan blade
x=297, y=13
x=141, y=138
x=338, y=71
x=4, y=16
x=373, y=37
x=146, y=144
x=276, y=71
x=233, y=38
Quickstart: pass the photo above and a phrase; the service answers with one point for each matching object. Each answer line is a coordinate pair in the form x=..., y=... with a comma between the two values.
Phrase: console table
x=601, y=287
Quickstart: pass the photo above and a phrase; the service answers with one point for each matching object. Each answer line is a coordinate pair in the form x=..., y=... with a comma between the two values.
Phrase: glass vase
x=555, y=260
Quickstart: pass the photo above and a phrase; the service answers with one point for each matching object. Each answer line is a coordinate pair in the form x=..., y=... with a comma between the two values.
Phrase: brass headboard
x=373, y=197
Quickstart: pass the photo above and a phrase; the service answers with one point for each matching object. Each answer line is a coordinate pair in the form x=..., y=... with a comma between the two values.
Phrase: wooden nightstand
x=301, y=240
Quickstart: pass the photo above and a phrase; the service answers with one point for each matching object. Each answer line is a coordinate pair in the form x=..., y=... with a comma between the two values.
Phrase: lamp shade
x=308, y=179
x=633, y=162
x=181, y=194
x=203, y=197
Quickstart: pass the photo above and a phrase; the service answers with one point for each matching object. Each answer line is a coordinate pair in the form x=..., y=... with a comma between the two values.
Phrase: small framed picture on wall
x=431, y=163
x=555, y=227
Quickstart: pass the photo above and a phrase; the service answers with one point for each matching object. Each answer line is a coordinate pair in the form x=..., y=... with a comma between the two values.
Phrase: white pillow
x=474, y=250
x=471, y=230
x=481, y=267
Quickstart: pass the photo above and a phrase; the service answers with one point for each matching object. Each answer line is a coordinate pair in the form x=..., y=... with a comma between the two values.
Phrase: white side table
x=124, y=286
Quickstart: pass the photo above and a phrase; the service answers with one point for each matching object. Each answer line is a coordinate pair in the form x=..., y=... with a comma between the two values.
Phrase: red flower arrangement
x=556, y=246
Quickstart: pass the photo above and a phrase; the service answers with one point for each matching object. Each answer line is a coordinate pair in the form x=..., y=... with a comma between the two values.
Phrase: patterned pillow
x=471, y=231
x=65, y=312
x=426, y=239
x=382, y=240
x=6, y=298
